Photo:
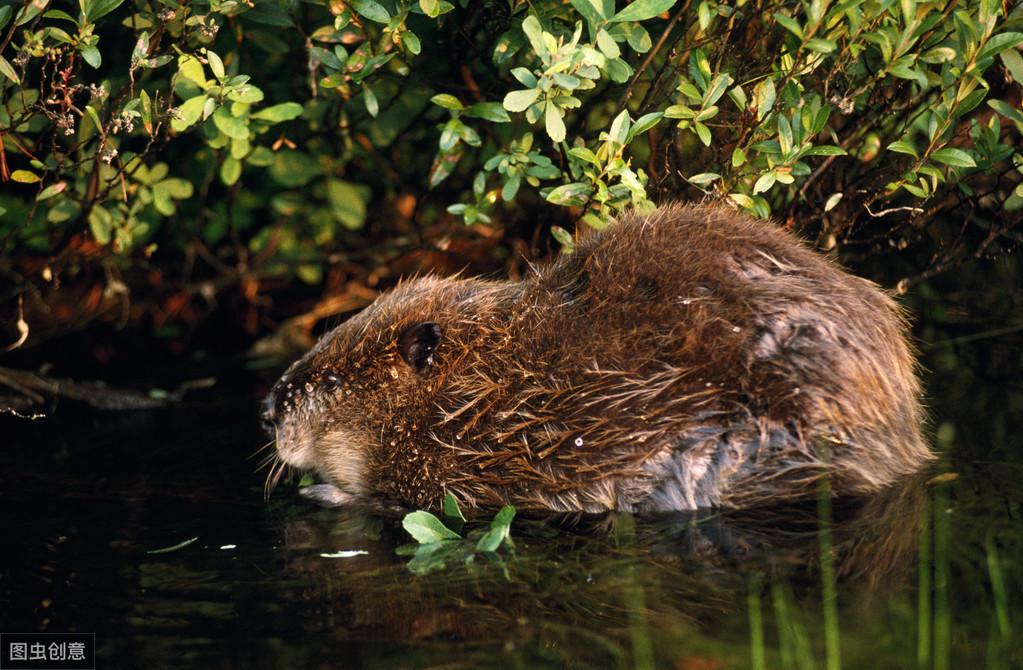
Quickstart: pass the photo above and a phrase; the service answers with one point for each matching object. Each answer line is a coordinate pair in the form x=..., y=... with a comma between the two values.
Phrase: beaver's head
x=375, y=374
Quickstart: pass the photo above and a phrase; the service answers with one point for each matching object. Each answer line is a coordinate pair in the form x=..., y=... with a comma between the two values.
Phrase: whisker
x=274, y=477
x=266, y=446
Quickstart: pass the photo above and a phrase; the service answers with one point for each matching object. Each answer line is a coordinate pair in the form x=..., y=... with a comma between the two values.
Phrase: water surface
x=925, y=575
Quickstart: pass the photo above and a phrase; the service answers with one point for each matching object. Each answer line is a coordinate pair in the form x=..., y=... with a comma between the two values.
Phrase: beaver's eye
x=417, y=344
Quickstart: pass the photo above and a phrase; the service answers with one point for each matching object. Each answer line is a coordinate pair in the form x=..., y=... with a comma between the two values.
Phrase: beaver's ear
x=417, y=344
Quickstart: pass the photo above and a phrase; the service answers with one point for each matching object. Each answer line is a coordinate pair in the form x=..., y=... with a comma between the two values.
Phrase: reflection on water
x=926, y=574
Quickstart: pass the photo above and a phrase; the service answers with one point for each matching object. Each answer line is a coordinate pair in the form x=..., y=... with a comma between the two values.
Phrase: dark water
x=926, y=575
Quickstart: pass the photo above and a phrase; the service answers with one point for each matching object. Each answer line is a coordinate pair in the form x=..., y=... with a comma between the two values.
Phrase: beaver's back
x=719, y=357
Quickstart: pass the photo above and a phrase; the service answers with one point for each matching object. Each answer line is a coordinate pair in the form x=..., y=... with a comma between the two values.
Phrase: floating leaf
x=500, y=530
x=451, y=508
x=425, y=528
x=346, y=553
x=174, y=547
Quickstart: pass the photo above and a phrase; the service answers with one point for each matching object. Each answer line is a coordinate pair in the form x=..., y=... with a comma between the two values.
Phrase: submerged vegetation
x=163, y=158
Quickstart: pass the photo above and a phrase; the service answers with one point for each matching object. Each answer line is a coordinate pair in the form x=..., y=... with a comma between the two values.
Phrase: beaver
x=686, y=358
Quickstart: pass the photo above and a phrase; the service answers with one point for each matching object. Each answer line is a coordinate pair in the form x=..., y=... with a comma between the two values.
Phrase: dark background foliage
x=218, y=171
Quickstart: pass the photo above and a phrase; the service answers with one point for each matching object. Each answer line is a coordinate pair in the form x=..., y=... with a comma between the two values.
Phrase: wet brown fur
x=693, y=357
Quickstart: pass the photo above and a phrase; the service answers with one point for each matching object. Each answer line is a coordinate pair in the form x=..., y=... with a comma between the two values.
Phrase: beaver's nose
x=269, y=414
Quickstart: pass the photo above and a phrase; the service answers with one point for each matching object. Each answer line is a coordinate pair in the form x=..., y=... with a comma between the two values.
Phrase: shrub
x=260, y=134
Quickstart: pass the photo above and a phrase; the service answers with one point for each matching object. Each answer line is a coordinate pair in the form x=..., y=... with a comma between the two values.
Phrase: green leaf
x=1000, y=43
x=500, y=530
x=25, y=176
x=285, y=111
x=1006, y=110
x=765, y=97
x=833, y=200
x=954, y=157
x=643, y=124
x=230, y=125
x=411, y=42
x=564, y=238
x=230, y=171
x=704, y=178
x=789, y=24
x=451, y=508
x=619, y=70
x=703, y=132
x=370, y=100
x=553, y=122
x=190, y=68
x=567, y=195
x=426, y=528
x=525, y=77
x=346, y=203
x=591, y=10
x=371, y=9
x=430, y=7
x=641, y=10
x=101, y=224
x=95, y=9
x=717, y=88
x=30, y=11
x=177, y=188
x=534, y=33
x=738, y=157
x=92, y=56
x=59, y=35
x=825, y=150
x=8, y=71
x=821, y=46
x=51, y=190
x=447, y=102
x=188, y=113
x=490, y=111
x=607, y=46
x=173, y=547
x=902, y=147
x=765, y=182
x=443, y=164
x=246, y=93
x=518, y=101
x=638, y=38
x=5, y=15
x=1013, y=62
x=584, y=154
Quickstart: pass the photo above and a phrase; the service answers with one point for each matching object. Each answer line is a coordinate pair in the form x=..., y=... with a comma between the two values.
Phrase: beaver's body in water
x=688, y=358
